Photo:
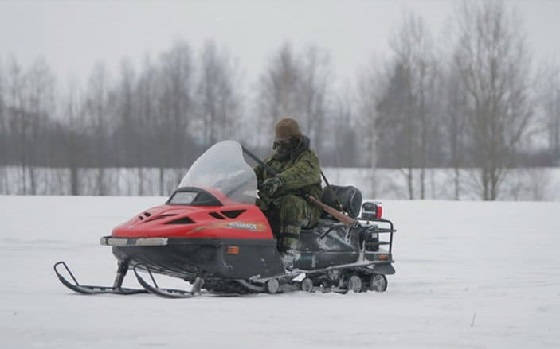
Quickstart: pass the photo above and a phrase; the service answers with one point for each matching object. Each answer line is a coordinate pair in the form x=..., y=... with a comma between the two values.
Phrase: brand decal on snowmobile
x=243, y=225
x=255, y=227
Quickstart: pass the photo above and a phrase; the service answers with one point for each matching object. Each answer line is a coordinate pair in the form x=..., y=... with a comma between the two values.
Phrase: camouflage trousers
x=287, y=215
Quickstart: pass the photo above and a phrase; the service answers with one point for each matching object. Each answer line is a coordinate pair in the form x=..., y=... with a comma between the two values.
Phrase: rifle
x=332, y=211
x=259, y=161
x=341, y=217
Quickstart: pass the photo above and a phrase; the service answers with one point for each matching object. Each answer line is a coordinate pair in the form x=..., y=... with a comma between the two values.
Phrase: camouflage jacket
x=300, y=174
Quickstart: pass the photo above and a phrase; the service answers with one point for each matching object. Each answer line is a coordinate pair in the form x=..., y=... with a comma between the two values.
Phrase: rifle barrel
x=259, y=161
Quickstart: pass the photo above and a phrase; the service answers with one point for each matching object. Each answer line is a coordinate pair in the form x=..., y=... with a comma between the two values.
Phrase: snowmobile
x=211, y=234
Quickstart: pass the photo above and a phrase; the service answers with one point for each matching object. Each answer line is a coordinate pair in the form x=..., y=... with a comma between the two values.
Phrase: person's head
x=288, y=136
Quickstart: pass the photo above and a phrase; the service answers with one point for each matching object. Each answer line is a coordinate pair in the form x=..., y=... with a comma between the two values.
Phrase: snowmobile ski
x=75, y=286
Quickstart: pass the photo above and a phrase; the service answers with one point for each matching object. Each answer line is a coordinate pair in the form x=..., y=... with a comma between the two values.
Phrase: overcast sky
x=73, y=35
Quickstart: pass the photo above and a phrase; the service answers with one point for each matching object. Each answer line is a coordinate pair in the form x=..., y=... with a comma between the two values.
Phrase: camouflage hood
x=300, y=147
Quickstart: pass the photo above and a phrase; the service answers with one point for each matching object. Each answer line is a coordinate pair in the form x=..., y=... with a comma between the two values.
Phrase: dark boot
x=289, y=245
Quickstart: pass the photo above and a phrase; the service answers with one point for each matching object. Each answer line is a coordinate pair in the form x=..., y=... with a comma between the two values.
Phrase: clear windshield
x=223, y=167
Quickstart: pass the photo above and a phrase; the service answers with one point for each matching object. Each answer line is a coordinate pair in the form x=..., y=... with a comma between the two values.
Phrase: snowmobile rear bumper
x=384, y=268
x=210, y=258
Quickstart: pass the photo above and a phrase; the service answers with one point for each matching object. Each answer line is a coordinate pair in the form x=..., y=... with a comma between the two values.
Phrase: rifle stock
x=333, y=212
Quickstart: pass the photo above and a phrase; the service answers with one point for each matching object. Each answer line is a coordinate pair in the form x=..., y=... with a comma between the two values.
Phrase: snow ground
x=469, y=275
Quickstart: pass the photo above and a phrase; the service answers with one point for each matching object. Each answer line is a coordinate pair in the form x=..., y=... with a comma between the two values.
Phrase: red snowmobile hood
x=239, y=221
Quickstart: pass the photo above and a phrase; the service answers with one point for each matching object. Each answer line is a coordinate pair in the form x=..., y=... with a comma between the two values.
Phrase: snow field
x=469, y=275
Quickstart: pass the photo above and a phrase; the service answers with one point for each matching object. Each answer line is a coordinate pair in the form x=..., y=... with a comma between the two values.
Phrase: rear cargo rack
x=391, y=231
x=383, y=230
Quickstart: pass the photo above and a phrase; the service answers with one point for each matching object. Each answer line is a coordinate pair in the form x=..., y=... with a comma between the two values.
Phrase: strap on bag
x=332, y=192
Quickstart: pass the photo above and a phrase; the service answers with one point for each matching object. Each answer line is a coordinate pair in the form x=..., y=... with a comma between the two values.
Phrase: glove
x=271, y=185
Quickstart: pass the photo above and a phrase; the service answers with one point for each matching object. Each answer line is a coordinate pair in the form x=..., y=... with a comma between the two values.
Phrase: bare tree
x=494, y=68
x=406, y=105
x=3, y=123
x=125, y=109
x=97, y=110
x=147, y=113
x=371, y=84
x=343, y=148
x=278, y=89
x=41, y=105
x=314, y=91
x=4, y=133
x=396, y=130
x=414, y=49
x=219, y=100
x=18, y=119
x=73, y=132
x=454, y=125
x=549, y=97
x=129, y=126
x=298, y=86
x=176, y=106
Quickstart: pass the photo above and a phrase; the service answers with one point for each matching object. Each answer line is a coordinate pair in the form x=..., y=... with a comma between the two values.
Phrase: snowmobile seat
x=348, y=199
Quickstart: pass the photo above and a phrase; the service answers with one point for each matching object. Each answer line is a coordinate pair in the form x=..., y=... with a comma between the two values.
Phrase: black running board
x=75, y=286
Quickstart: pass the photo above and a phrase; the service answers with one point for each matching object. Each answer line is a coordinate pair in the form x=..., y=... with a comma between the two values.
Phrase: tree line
x=474, y=100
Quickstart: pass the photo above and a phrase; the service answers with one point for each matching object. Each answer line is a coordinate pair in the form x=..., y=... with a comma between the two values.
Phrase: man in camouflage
x=283, y=197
